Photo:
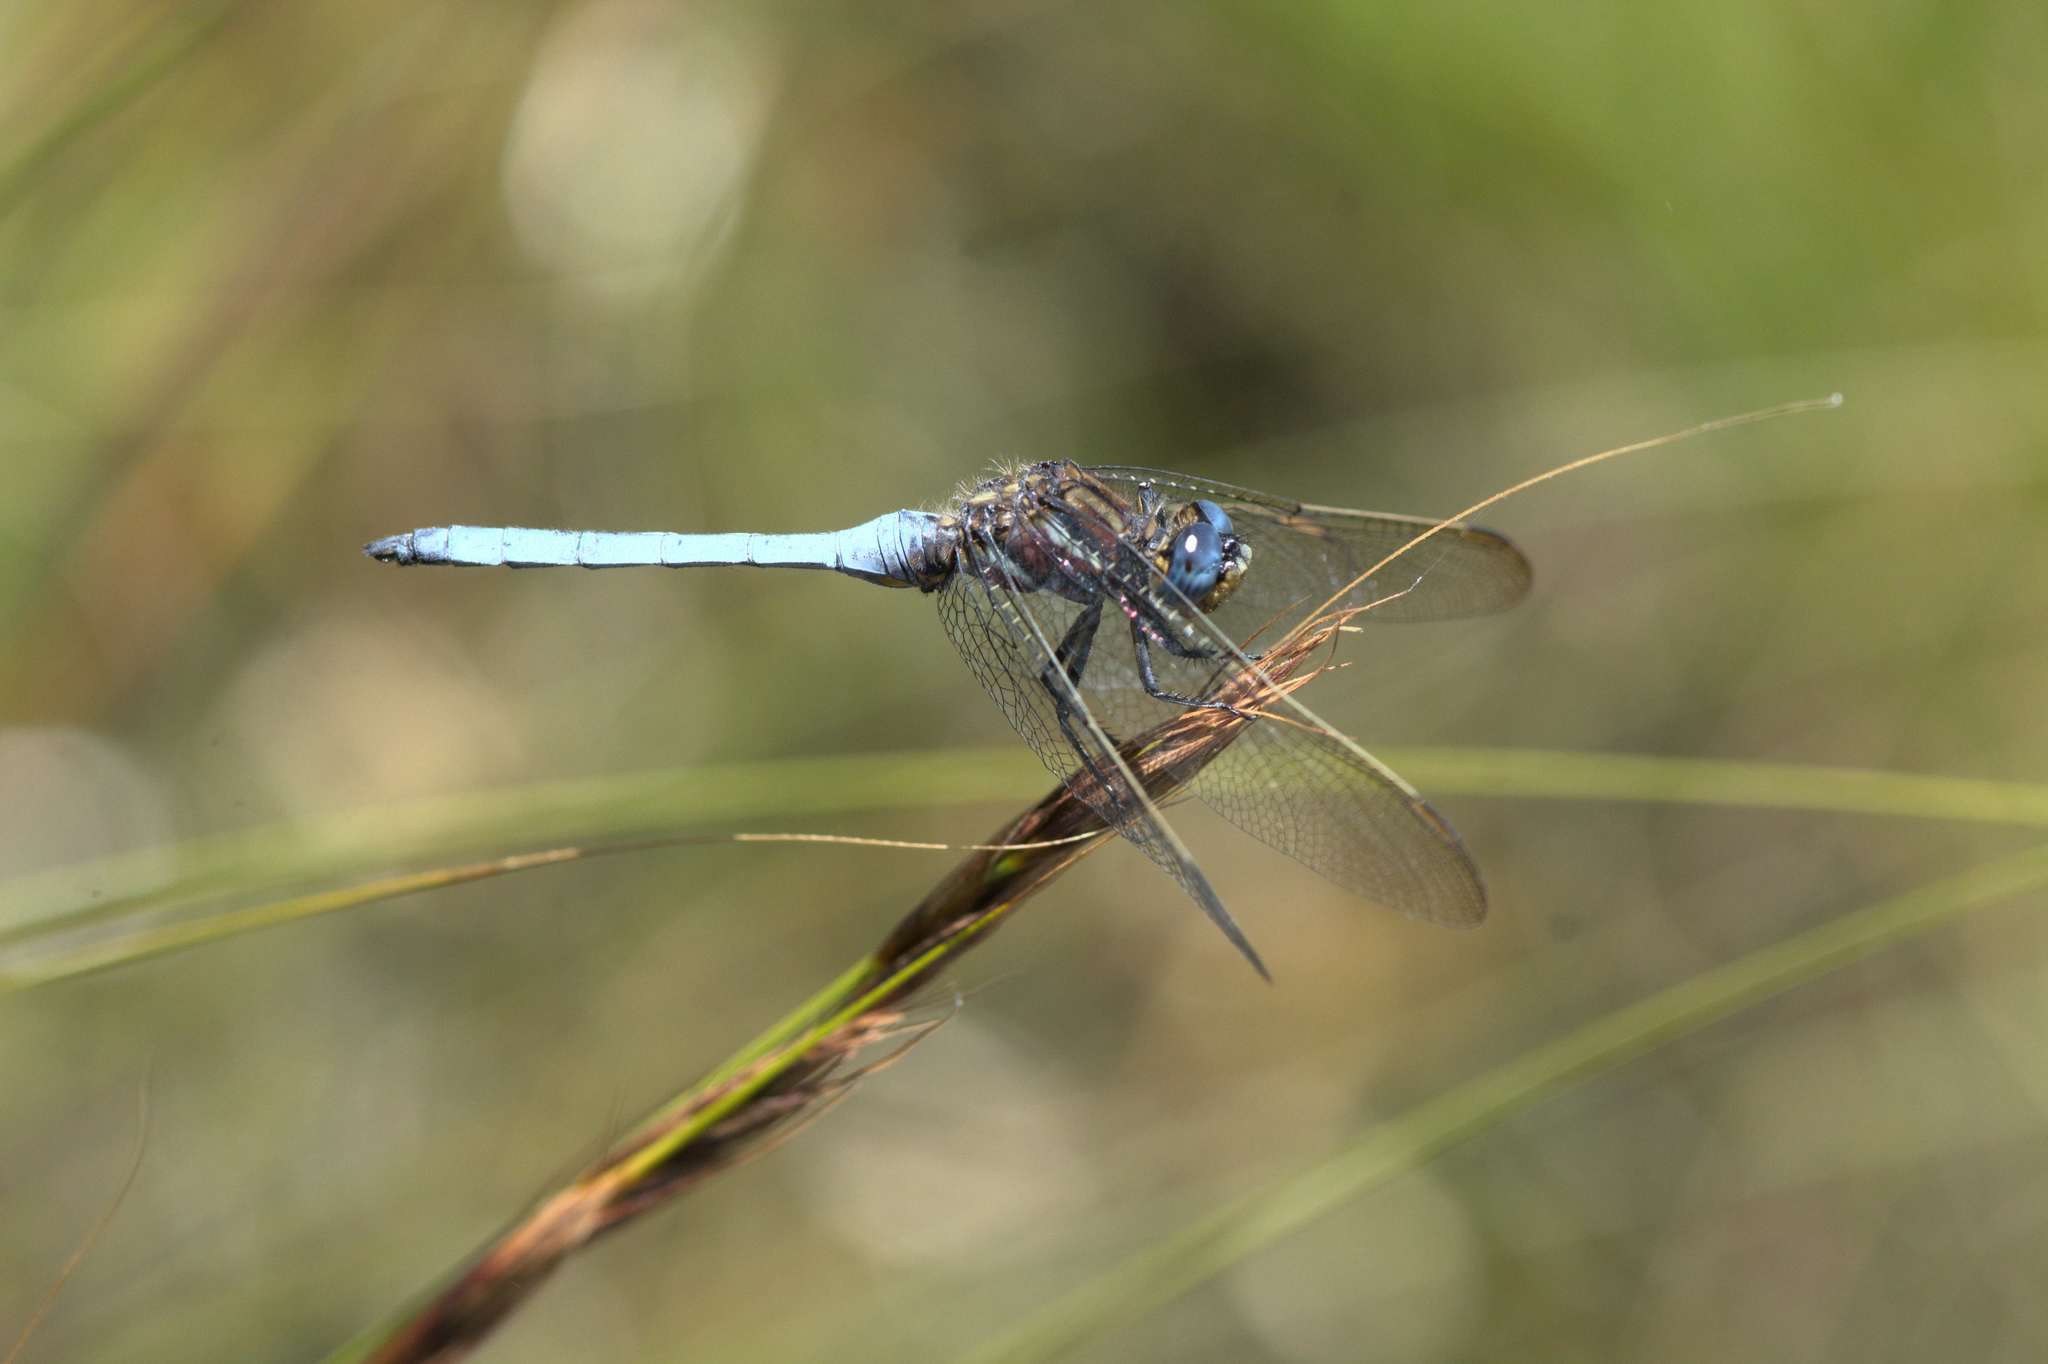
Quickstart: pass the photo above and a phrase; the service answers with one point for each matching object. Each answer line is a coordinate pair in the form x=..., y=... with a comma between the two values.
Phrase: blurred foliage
x=276, y=279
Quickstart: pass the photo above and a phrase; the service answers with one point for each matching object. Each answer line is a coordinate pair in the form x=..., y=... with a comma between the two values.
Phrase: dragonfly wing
x=1009, y=639
x=1315, y=795
x=1302, y=554
x=1297, y=784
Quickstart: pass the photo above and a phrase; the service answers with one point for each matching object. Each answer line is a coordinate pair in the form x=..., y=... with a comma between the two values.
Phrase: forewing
x=1297, y=784
x=1008, y=638
x=1302, y=554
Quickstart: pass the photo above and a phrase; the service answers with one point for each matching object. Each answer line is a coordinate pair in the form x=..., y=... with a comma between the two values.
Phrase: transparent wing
x=1297, y=784
x=1321, y=799
x=1302, y=554
x=1009, y=639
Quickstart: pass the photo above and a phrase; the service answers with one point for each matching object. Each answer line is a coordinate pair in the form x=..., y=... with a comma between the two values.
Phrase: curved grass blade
x=22, y=969
x=360, y=842
x=350, y=844
x=1551, y=774
x=1242, y=1228
x=797, y=787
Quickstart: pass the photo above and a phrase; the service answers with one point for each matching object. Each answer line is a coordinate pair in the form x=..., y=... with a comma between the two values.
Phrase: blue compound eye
x=1197, y=558
x=1214, y=515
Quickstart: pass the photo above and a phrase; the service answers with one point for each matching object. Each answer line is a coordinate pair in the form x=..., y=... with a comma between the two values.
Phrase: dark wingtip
x=1515, y=592
x=1221, y=918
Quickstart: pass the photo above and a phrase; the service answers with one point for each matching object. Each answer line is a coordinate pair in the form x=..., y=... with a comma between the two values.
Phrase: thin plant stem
x=1231, y=1234
x=43, y=950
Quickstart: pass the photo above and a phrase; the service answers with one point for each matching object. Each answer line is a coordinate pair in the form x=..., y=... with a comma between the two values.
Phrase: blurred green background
x=276, y=279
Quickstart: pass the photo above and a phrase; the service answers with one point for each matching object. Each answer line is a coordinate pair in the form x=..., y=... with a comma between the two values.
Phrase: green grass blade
x=360, y=841
x=1554, y=775
x=42, y=908
x=21, y=967
x=1240, y=1229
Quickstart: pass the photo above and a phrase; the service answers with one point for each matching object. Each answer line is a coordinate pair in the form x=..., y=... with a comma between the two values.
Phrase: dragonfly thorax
x=1052, y=527
x=1045, y=528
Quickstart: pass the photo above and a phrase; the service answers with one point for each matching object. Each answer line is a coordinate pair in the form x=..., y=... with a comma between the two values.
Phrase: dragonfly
x=1093, y=603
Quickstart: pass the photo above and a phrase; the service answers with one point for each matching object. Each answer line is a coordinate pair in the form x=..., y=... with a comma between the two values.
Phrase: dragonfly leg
x=1201, y=652
x=1150, y=679
x=1103, y=794
x=1071, y=659
x=1170, y=641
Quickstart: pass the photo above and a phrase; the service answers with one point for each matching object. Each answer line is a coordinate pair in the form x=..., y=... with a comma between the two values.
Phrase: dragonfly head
x=1204, y=558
